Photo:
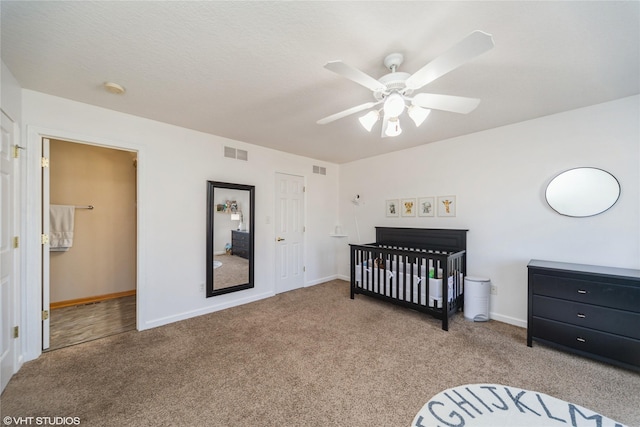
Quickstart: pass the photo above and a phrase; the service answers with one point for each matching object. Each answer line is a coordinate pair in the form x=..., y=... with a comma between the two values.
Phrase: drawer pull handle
x=582, y=291
x=581, y=339
x=582, y=316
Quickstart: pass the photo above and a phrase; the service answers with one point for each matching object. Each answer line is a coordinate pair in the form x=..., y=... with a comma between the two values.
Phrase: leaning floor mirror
x=230, y=242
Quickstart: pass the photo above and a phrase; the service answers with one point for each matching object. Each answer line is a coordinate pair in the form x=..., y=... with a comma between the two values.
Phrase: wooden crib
x=419, y=268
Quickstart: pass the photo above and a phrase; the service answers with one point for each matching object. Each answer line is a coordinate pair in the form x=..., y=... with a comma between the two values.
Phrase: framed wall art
x=392, y=207
x=408, y=207
x=426, y=206
x=446, y=205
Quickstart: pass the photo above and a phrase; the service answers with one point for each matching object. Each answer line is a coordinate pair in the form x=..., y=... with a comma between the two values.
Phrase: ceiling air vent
x=319, y=170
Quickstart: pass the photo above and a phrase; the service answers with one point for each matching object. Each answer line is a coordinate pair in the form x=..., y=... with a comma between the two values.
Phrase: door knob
x=280, y=239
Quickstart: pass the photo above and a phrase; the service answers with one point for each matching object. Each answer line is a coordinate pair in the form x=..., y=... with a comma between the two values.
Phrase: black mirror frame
x=211, y=186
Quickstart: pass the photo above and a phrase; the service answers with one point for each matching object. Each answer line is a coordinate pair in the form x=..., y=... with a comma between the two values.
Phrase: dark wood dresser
x=240, y=243
x=584, y=309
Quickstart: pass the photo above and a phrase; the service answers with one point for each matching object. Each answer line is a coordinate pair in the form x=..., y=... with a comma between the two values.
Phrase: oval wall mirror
x=582, y=192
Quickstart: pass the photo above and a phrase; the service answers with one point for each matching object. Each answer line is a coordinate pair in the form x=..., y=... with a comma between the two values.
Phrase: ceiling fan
x=395, y=90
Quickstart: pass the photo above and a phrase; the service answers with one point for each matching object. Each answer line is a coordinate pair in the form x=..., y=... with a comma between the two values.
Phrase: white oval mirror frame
x=582, y=192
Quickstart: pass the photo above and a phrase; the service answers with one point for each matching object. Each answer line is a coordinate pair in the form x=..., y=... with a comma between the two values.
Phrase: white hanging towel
x=61, y=227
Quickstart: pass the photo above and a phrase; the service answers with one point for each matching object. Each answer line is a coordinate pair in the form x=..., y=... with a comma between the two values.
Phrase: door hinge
x=45, y=314
x=16, y=242
x=16, y=151
x=304, y=189
x=44, y=238
x=304, y=229
x=304, y=269
x=16, y=331
x=44, y=162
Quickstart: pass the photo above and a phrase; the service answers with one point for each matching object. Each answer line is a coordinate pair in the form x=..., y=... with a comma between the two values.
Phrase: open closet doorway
x=91, y=255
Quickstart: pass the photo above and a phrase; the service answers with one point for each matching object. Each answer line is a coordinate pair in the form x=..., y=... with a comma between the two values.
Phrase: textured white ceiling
x=253, y=71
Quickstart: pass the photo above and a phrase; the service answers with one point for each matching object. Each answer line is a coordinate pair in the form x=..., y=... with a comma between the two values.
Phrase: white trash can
x=476, y=298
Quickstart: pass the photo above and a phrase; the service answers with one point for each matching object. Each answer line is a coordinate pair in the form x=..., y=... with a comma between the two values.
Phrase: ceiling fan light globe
x=368, y=120
x=394, y=105
x=418, y=114
x=393, y=127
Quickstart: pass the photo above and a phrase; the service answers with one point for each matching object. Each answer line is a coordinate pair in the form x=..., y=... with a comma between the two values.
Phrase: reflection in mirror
x=582, y=192
x=230, y=222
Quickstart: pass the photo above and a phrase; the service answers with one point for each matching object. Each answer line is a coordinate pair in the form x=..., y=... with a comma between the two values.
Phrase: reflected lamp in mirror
x=582, y=192
x=238, y=217
x=230, y=248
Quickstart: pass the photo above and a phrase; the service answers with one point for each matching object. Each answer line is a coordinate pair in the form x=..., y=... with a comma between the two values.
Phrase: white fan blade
x=455, y=104
x=347, y=112
x=355, y=75
x=473, y=45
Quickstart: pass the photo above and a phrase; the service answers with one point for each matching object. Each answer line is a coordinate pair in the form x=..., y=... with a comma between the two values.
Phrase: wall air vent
x=232, y=153
x=319, y=170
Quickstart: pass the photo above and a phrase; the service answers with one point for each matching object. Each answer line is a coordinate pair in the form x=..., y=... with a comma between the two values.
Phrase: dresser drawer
x=609, y=346
x=243, y=253
x=604, y=319
x=587, y=291
x=239, y=236
x=240, y=243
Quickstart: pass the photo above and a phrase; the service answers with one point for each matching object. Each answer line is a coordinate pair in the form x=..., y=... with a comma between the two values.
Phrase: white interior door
x=45, y=245
x=289, y=232
x=7, y=271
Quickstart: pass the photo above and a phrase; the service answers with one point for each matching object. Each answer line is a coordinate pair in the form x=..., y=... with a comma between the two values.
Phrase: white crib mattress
x=429, y=289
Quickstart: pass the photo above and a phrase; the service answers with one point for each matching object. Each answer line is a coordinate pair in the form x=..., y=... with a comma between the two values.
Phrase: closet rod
x=85, y=207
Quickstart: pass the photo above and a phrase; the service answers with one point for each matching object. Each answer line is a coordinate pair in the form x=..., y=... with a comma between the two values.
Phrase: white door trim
x=44, y=248
x=32, y=267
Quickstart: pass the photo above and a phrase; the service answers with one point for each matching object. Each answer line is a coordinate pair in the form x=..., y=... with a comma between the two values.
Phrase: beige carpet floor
x=310, y=357
x=233, y=271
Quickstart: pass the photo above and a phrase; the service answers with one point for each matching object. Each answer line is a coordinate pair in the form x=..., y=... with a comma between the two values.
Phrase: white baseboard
x=318, y=281
x=194, y=313
x=507, y=319
x=493, y=316
x=327, y=279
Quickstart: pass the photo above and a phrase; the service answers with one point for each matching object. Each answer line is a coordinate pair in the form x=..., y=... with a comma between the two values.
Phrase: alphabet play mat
x=494, y=405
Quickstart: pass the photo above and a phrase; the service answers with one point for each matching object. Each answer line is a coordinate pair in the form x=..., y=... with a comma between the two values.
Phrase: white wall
x=10, y=96
x=174, y=165
x=499, y=177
